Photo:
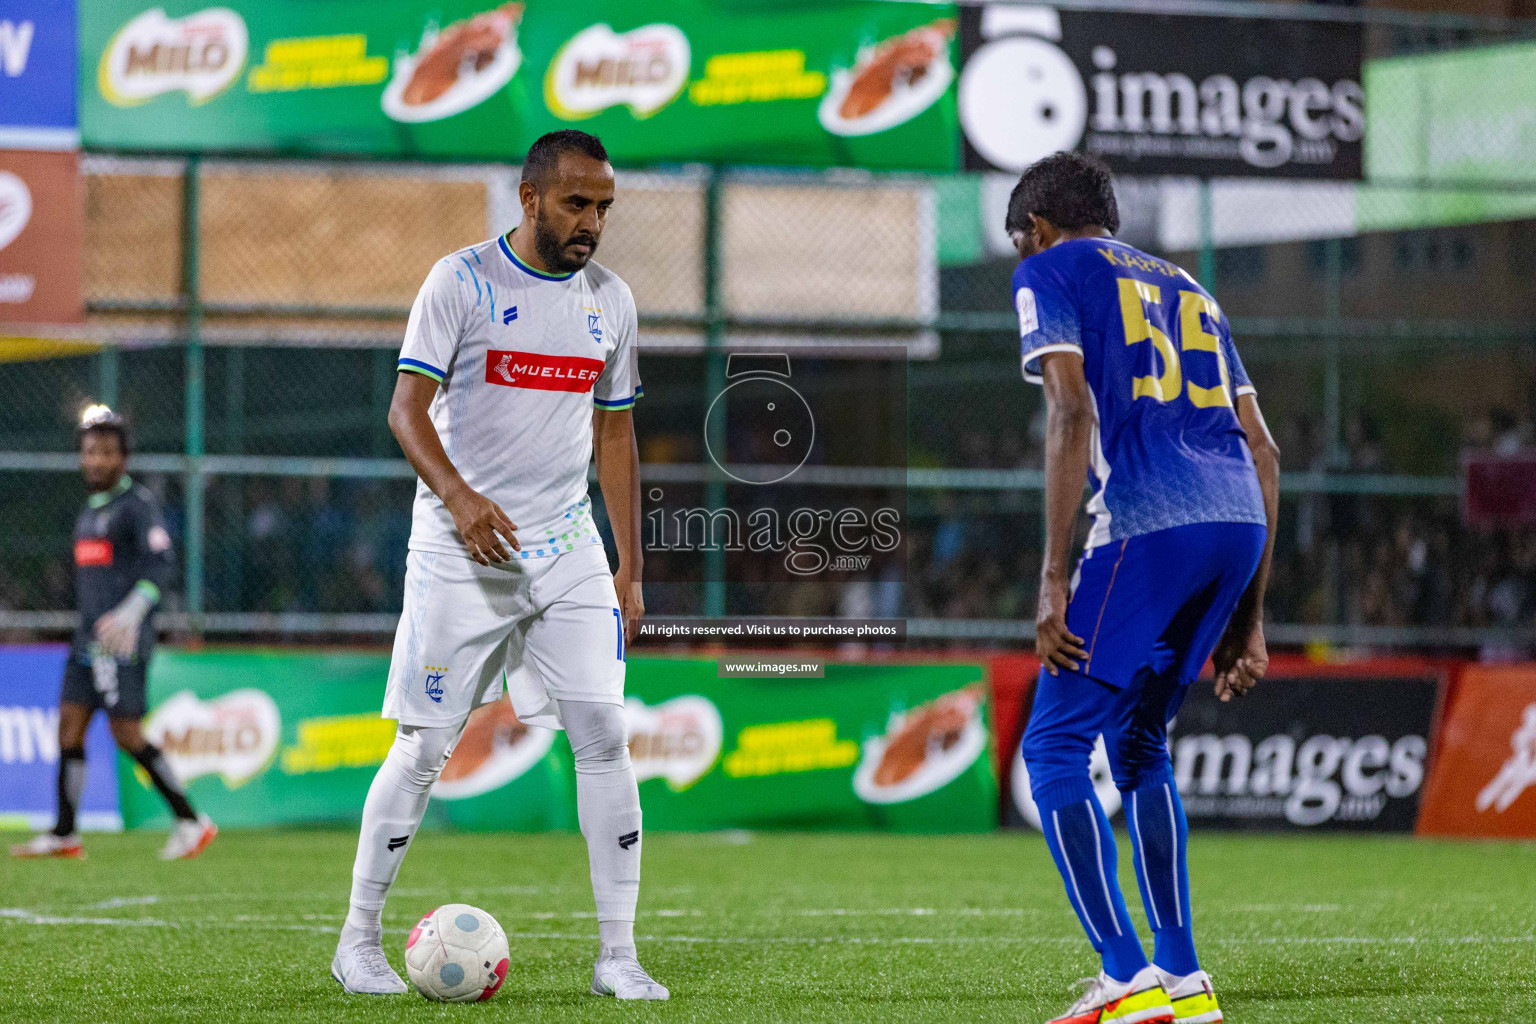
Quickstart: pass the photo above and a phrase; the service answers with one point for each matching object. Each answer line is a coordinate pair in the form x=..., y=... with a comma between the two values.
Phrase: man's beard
x=551, y=248
x=100, y=480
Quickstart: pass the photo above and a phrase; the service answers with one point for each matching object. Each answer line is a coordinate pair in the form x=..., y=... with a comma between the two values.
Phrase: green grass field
x=760, y=928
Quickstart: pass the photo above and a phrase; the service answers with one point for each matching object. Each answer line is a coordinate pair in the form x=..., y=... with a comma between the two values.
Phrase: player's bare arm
x=618, y=474
x=1241, y=658
x=477, y=518
x=1068, y=428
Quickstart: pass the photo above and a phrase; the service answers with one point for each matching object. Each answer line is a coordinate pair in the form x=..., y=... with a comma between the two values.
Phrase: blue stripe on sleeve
x=417, y=366
x=618, y=403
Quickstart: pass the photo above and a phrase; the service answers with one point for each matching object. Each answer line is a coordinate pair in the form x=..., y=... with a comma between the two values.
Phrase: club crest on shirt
x=595, y=327
x=434, y=687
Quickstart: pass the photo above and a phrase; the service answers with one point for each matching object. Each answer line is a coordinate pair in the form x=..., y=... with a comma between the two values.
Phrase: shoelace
x=372, y=961
x=629, y=969
x=1090, y=996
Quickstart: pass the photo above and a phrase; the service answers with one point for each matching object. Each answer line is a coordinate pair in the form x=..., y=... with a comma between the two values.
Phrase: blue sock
x=1083, y=846
x=1159, y=840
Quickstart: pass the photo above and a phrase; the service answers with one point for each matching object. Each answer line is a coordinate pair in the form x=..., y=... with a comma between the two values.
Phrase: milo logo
x=201, y=54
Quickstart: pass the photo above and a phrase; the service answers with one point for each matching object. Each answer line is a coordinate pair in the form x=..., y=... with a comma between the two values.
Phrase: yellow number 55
x=1135, y=297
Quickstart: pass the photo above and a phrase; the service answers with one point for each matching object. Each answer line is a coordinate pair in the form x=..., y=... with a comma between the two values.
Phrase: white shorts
x=547, y=628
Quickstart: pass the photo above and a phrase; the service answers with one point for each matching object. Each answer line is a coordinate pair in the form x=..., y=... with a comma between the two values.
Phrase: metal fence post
x=195, y=483
x=234, y=400
x=1333, y=305
x=107, y=366
x=1337, y=455
x=382, y=392
x=230, y=558
x=714, y=341
x=1207, y=266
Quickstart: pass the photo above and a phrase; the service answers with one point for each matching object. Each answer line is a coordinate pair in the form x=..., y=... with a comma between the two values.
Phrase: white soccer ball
x=457, y=954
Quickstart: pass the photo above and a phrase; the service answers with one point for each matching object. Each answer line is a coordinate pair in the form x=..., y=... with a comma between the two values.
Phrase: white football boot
x=1193, y=998
x=189, y=838
x=50, y=845
x=363, y=970
x=1142, y=1000
x=618, y=973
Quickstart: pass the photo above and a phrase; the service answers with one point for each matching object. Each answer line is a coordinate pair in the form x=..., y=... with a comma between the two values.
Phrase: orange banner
x=42, y=222
x=1483, y=778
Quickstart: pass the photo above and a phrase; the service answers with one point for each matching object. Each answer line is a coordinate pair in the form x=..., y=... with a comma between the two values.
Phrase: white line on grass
x=18, y=915
x=1271, y=908
x=531, y=915
x=330, y=894
x=915, y=912
x=21, y=916
x=1378, y=940
x=117, y=902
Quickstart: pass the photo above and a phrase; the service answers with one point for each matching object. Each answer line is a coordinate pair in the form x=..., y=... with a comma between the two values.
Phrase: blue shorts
x=1150, y=610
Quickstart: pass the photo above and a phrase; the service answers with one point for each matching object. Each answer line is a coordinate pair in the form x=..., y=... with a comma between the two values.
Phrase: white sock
x=396, y=802
x=608, y=808
x=617, y=936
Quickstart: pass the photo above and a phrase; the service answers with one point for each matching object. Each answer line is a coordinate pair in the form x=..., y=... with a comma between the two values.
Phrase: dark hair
x=114, y=425
x=544, y=155
x=1068, y=189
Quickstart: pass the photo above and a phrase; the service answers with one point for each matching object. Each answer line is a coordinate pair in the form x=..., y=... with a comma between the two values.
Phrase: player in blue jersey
x=1144, y=386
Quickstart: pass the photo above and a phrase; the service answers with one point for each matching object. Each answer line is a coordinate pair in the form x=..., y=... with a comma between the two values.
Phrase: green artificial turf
x=759, y=928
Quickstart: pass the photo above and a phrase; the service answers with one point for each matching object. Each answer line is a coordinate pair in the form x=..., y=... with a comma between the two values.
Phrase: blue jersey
x=1167, y=447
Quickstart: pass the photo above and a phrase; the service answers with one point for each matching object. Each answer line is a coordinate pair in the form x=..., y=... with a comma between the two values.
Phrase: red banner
x=93, y=551
x=1483, y=777
x=42, y=222
x=1499, y=490
x=541, y=372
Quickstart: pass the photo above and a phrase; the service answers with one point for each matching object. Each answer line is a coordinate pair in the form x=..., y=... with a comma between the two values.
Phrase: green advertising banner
x=839, y=83
x=277, y=737
x=903, y=747
x=1466, y=118
x=262, y=737
x=265, y=738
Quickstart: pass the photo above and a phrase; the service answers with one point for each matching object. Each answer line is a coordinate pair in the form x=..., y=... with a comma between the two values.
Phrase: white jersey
x=521, y=357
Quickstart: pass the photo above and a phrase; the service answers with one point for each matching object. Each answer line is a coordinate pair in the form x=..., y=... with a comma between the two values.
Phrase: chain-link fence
x=246, y=315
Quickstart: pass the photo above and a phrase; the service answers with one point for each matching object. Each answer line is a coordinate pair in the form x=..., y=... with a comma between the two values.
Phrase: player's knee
x=126, y=733
x=420, y=753
x=71, y=733
x=599, y=757
x=1049, y=758
x=599, y=739
x=1139, y=766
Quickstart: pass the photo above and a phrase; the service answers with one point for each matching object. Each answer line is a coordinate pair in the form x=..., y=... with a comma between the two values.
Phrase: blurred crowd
x=1363, y=446
x=312, y=545
x=287, y=544
x=1356, y=559
x=322, y=545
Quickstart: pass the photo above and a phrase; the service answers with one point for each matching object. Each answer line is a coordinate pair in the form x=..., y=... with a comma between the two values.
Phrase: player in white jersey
x=519, y=361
